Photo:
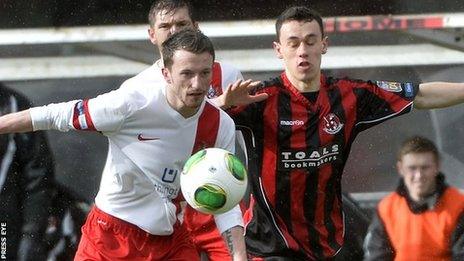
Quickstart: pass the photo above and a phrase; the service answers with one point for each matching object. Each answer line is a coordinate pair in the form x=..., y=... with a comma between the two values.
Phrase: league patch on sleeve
x=408, y=90
x=389, y=86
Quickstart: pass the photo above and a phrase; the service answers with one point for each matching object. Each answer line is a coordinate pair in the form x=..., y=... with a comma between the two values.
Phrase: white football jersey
x=149, y=142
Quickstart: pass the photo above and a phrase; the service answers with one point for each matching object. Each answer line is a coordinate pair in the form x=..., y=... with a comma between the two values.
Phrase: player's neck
x=310, y=85
x=179, y=106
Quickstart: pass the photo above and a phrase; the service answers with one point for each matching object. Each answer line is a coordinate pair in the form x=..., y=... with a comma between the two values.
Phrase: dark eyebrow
x=292, y=38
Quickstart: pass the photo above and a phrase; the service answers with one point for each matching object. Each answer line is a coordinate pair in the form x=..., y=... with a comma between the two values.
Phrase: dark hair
x=189, y=40
x=300, y=14
x=169, y=6
x=417, y=144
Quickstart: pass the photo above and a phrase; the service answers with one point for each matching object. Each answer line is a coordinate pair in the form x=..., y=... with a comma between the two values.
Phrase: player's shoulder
x=152, y=73
x=454, y=193
x=270, y=86
x=227, y=68
x=226, y=65
x=138, y=92
x=390, y=200
x=145, y=82
x=223, y=116
x=330, y=82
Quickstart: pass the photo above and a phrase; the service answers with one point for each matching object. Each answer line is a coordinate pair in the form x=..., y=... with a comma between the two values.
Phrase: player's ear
x=166, y=75
x=325, y=44
x=151, y=35
x=399, y=169
x=278, y=49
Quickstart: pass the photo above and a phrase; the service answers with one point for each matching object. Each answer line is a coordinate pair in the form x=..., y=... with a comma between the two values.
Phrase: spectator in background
x=26, y=177
x=423, y=219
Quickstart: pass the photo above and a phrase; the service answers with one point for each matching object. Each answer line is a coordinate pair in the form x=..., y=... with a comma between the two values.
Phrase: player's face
x=419, y=171
x=301, y=46
x=189, y=78
x=167, y=23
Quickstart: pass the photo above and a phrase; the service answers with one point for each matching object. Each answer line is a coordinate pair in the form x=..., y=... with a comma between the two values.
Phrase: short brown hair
x=189, y=40
x=300, y=14
x=418, y=144
x=169, y=6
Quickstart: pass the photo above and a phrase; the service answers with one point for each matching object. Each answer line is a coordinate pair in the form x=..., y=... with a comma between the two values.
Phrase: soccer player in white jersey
x=165, y=18
x=152, y=131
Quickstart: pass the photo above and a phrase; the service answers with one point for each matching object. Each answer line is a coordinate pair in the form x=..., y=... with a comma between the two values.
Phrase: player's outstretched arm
x=439, y=95
x=235, y=243
x=238, y=94
x=16, y=122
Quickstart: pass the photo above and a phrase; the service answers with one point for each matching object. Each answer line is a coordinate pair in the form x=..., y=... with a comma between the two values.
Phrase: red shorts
x=205, y=235
x=105, y=237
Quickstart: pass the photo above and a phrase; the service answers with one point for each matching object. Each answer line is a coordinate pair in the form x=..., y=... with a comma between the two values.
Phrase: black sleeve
x=381, y=100
x=457, y=240
x=377, y=244
x=244, y=115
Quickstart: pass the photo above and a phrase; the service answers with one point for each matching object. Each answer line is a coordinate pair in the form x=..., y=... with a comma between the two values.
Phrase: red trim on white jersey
x=81, y=117
x=207, y=129
x=207, y=132
x=216, y=81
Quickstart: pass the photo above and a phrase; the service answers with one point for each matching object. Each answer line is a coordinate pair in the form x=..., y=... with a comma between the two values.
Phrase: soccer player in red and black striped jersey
x=303, y=131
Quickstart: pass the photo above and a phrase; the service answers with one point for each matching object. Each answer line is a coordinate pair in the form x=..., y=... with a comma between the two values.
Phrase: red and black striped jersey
x=300, y=150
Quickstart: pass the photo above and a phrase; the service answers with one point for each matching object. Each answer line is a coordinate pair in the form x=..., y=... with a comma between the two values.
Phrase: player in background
x=152, y=130
x=169, y=16
x=303, y=133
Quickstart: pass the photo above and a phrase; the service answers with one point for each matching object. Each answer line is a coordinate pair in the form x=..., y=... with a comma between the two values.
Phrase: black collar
x=429, y=202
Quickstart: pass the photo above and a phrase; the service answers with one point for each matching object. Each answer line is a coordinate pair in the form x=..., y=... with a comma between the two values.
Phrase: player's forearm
x=235, y=243
x=16, y=122
x=439, y=95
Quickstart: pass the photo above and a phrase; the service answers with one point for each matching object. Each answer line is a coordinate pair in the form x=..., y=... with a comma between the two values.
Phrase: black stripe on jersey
x=333, y=187
x=283, y=186
x=312, y=181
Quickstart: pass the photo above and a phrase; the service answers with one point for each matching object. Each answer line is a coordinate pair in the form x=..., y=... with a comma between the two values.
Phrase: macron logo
x=142, y=138
x=291, y=123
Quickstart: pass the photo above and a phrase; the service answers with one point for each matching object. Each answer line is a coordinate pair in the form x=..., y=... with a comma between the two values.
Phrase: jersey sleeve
x=229, y=219
x=378, y=101
x=104, y=113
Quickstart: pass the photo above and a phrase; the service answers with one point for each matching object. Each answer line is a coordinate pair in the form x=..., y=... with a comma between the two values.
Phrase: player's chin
x=194, y=102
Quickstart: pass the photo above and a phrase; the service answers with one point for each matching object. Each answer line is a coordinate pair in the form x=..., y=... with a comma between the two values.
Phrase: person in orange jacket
x=423, y=219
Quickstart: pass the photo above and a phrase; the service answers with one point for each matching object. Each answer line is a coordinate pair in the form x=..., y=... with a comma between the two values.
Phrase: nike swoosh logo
x=141, y=138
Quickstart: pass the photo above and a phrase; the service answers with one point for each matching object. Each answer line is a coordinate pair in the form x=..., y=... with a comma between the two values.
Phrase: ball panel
x=194, y=159
x=236, y=167
x=213, y=181
x=210, y=197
